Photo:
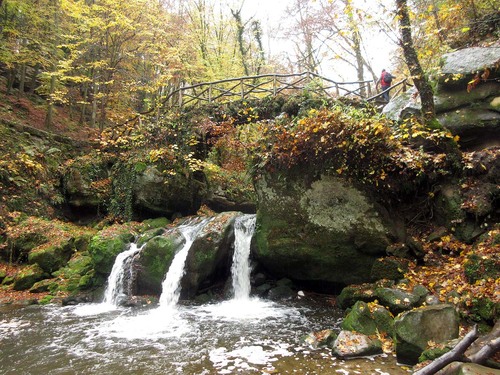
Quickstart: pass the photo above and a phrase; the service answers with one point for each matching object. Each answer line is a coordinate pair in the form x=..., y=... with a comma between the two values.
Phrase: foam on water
x=152, y=325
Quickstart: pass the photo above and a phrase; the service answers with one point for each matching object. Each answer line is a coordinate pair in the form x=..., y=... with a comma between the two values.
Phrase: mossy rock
x=397, y=300
x=51, y=258
x=362, y=292
x=26, y=242
x=485, y=309
x=433, y=353
x=8, y=280
x=46, y=300
x=369, y=319
x=43, y=286
x=210, y=255
x=415, y=328
x=28, y=276
x=104, y=250
x=154, y=260
x=79, y=267
x=390, y=268
x=3, y=275
x=149, y=234
x=159, y=222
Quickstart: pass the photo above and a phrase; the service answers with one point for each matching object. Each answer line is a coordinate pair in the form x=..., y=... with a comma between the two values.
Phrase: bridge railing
x=264, y=85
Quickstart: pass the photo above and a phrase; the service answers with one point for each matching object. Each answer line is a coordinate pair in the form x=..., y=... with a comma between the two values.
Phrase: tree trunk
x=49, y=117
x=22, y=80
x=34, y=77
x=411, y=58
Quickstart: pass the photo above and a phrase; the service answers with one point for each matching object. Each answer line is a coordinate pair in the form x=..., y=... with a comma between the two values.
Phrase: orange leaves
x=477, y=79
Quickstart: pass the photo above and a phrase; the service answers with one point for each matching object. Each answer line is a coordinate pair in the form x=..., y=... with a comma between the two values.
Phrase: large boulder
x=154, y=259
x=471, y=111
x=209, y=258
x=415, y=328
x=318, y=229
x=368, y=319
x=51, y=258
x=104, y=248
x=159, y=193
x=28, y=276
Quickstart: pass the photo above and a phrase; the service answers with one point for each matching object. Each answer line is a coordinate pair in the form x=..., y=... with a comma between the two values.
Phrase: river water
x=255, y=337
x=243, y=335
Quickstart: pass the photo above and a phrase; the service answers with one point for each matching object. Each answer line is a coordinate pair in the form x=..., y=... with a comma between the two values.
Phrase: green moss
x=156, y=257
x=46, y=300
x=28, y=276
x=104, y=251
x=432, y=354
x=51, y=258
x=368, y=319
x=480, y=268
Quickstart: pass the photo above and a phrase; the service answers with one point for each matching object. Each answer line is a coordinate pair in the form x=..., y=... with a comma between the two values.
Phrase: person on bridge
x=385, y=81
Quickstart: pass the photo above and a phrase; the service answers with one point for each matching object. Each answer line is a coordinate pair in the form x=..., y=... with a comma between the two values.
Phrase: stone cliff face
x=319, y=229
x=467, y=97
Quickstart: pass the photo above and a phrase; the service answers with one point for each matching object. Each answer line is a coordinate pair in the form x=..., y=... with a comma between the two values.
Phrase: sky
x=271, y=13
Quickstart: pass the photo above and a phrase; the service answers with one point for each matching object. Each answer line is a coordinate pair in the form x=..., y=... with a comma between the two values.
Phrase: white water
x=115, y=287
x=171, y=286
x=244, y=227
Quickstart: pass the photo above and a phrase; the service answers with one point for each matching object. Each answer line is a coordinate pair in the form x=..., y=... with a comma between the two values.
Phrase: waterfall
x=244, y=227
x=171, y=286
x=115, y=288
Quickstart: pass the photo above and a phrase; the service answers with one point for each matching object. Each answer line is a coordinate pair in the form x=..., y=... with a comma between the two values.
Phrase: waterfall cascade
x=244, y=228
x=171, y=286
x=116, y=286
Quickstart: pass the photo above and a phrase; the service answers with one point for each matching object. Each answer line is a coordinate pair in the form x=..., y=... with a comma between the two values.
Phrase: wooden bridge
x=265, y=85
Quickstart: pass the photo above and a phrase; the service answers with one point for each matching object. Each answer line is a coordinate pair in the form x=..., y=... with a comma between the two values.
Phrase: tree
x=412, y=61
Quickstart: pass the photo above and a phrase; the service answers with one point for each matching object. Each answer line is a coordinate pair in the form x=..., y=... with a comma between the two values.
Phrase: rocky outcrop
x=157, y=193
x=415, y=328
x=319, y=229
x=208, y=260
x=210, y=257
x=467, y=99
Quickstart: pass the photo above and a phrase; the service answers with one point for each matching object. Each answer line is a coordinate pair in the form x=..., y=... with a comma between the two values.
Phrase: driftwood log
x=465, y=351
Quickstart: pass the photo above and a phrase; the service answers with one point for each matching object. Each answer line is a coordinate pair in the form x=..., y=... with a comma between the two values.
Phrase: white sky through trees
x=272, y=15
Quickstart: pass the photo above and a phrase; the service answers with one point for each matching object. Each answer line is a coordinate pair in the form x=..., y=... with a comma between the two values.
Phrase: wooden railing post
x=210, y=93
x=274, y=85
x=242, y=90
x=180, y=96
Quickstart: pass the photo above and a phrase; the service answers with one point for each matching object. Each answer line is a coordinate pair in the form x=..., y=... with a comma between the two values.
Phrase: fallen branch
x=456, y=354
x=486, y=351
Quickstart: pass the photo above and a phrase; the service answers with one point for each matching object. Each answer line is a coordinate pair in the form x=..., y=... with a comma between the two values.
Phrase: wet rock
x=368, y=319
x=77, y=299
x=210, y=257
x=352, y=344
x=319, y=339
x=415, y=328
x=152, y=263
x=280, y=293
